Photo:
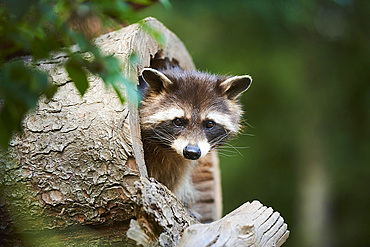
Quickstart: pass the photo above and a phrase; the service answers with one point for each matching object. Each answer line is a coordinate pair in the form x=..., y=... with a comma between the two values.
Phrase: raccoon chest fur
x=184, y=115
x=170, y=169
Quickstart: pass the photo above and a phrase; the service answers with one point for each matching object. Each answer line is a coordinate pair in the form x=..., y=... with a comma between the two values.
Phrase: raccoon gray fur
x=185, y=114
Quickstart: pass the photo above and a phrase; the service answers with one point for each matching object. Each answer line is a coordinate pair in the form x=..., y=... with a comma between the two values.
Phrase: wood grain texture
x=252, y=224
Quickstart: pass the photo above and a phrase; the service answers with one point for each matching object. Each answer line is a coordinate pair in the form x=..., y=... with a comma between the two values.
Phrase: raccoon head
x=190, y=112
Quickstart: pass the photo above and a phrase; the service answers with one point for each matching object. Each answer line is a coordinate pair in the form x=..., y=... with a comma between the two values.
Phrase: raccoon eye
x=209, y=124
x=178, y=122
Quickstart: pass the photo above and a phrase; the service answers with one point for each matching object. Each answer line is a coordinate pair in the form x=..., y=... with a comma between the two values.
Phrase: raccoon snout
x=192, y=152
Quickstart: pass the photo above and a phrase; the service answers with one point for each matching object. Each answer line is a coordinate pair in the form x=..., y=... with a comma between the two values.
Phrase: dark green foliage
x=39, y=27
x=20, y=88
x=75, y=68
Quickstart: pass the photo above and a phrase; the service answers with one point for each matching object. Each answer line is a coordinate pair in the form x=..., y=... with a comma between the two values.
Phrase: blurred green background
x=309, y=106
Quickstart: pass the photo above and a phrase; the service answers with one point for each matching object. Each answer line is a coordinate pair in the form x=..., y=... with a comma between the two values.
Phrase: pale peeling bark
x=161, y=217
x=72, y=178
x=252, y=224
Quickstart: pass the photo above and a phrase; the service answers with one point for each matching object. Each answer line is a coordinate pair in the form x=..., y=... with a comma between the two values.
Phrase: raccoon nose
x=192, y=152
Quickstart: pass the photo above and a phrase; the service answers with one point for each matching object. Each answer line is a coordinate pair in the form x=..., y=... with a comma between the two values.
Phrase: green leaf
x=20, y=89
x=19, y=7
x=143, y=2
x=41, y=28
x=77, y=74
x=119, y=94
x=158, y=36
x=166, y=4
x=6, y=132
x=50, y=91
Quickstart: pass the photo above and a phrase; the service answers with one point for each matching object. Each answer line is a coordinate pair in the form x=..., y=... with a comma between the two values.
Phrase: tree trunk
x=77, y=176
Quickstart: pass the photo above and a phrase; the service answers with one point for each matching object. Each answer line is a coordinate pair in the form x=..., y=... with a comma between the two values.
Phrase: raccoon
x=185, y=114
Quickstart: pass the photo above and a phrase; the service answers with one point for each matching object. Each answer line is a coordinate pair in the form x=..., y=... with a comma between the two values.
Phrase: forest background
x=305, y=146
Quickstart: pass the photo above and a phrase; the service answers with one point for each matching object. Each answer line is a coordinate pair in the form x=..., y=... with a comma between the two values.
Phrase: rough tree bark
x=72, y=178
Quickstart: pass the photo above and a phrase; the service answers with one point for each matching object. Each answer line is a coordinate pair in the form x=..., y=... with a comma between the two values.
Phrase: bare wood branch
x=158, y=208
x=252, y=224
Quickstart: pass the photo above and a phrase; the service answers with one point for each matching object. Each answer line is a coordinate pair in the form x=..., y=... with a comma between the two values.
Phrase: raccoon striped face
x=190, y=137
x=190, y=112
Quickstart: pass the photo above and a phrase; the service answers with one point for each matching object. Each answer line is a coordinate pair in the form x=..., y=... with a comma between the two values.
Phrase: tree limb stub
x=162, y=220
x=158, y=208
x=252, y=224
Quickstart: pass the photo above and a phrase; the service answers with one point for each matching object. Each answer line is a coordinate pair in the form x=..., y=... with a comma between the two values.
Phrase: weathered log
x=73, y=176
x=160, y=216
x=252, y=224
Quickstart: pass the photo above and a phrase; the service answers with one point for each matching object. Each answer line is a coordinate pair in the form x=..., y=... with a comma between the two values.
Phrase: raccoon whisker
x=216, y=144
x=158, y=141
x=230, y=153
x=164, y=131
x=226, y=150
x=247, y=124
x=226, y=155
x=245, y=134
x=163, y=137
x=221, y=137
x=162, y=140
x=234, y=148
x=230, y=150
x=165, y=134
x=218, y=140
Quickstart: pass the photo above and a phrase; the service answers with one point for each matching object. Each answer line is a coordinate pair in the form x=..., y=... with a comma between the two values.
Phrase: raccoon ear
x=155, y=79
x=236, y=85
